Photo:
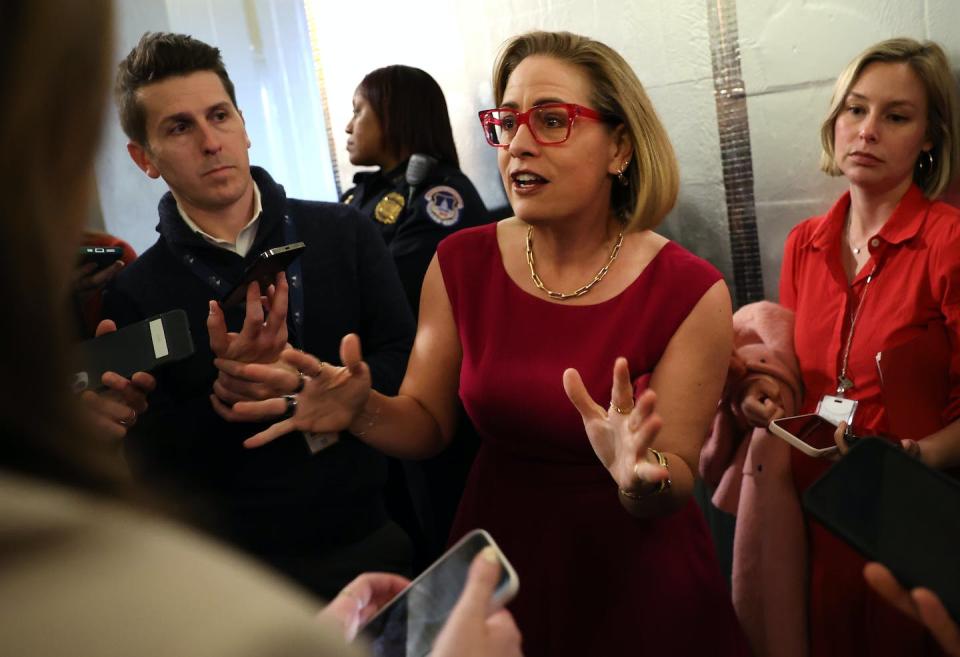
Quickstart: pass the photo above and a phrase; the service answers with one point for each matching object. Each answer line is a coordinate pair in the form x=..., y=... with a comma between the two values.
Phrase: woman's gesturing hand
x=331, y=398
x=622, y=434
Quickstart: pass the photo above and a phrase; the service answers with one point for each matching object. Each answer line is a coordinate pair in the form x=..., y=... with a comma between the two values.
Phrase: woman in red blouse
x=875, y=285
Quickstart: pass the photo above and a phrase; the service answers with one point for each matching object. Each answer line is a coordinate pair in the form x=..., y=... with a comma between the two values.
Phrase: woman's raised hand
x=331, y=397
x=622, y=434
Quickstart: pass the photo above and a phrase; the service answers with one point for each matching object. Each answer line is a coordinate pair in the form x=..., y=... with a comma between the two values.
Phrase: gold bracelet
x=662, y=486
x=373, y=420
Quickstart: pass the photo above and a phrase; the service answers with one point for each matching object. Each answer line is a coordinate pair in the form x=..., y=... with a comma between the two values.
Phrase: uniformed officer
x=418, y=195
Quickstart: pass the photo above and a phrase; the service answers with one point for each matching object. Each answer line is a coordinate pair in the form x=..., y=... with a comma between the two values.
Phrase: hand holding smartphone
x=811, y=434
x=409, y=624
x=139, y=347
x=264, y=271
x=101, y=256
x=893, y=509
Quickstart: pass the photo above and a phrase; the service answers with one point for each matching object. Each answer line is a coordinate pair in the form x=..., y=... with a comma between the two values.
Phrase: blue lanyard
x=295, y=278
x=295, y=310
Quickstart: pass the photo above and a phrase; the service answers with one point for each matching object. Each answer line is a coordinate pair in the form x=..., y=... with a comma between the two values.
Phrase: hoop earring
x=929, y=163
x=622, y=179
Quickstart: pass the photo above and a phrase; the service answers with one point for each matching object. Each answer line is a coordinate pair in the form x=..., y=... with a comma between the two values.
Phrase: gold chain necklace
x=579, y=292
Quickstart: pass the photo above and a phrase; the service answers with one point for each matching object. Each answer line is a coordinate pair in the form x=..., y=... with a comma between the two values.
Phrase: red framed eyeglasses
x=549, y=124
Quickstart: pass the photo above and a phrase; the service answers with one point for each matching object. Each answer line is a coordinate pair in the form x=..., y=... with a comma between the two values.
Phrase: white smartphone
x=408, y=625
x=811, y=434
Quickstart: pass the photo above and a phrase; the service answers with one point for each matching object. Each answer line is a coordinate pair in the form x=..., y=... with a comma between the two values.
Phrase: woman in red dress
x=875, y=284
x=574, y=299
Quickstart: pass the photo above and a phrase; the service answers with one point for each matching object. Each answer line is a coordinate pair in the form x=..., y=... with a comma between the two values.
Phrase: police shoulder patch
x=444, y=205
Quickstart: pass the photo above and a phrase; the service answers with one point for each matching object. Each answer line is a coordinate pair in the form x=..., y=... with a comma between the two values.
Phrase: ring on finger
x=302, y=382
x=621, y=411
x=130, y=420
x=291, y=406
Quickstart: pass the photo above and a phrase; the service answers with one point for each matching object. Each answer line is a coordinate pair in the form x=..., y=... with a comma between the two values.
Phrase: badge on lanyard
x=837, y=409
x=317, y=442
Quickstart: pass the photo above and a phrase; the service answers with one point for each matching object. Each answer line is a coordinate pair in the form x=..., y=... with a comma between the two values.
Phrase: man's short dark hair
x=158, y=56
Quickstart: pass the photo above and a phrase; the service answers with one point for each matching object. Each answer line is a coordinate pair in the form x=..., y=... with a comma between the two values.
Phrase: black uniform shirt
x=412, y=227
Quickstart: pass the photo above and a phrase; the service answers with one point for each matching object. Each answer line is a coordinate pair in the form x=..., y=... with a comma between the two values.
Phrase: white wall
x=792, y=51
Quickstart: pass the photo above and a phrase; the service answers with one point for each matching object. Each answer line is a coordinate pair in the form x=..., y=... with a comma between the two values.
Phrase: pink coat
x=750, y=469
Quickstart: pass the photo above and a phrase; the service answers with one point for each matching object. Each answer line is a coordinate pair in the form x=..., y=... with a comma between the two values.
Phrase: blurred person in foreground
x=81, y=569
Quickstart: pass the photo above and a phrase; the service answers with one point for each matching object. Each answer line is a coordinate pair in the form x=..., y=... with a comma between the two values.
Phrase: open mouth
x=527, y=180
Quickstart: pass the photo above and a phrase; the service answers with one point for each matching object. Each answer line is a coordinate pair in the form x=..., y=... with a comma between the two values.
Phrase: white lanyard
x=844, y=383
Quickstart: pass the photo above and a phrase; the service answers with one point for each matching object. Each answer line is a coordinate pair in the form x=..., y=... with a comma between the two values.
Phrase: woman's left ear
x=621, y=150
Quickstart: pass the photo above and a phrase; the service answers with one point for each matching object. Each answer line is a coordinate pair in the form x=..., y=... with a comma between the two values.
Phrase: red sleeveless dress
x=594, y=581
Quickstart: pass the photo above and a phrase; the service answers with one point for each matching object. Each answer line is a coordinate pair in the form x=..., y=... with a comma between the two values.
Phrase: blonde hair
x=653, y=177
x=930, y=64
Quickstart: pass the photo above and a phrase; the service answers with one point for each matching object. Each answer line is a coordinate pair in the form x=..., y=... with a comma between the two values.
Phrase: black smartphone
x=264, y=271
x=102, y=256
x=408, y=625
x=895, y=510
x=139, y=347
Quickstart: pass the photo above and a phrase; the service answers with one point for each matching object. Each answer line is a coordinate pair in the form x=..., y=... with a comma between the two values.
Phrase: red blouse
x=914, y=294
x=915, y=261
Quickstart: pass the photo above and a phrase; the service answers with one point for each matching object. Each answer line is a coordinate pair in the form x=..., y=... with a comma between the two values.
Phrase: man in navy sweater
x=312, y=509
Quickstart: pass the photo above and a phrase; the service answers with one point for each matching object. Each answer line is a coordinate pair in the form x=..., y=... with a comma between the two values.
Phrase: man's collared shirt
x=246, y=236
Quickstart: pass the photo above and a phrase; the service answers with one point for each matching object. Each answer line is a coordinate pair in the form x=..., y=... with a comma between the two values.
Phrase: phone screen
x=897, y=511
x=410, y=623
x=811, y=429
